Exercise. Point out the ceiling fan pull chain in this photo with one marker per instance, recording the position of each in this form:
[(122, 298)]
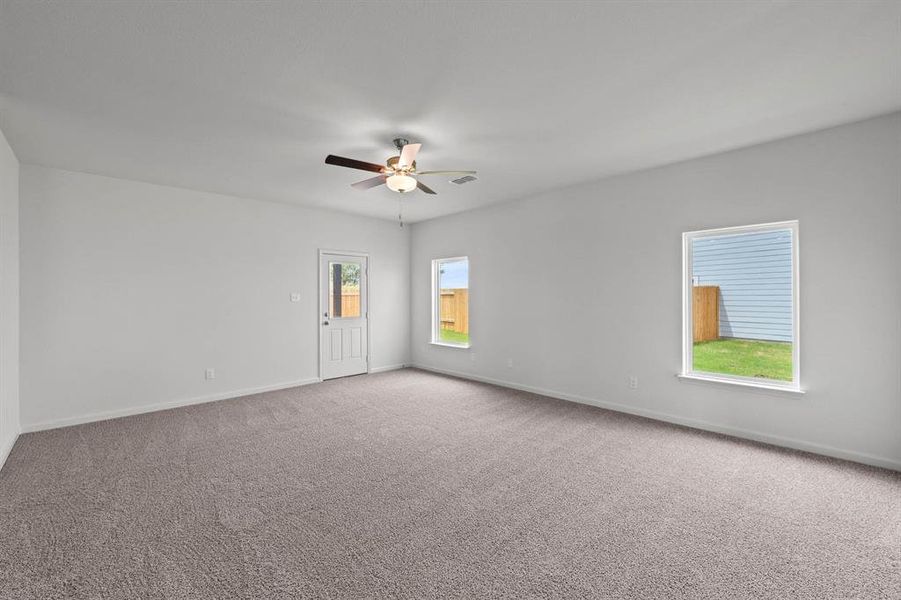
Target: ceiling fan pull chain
[(400, 213)]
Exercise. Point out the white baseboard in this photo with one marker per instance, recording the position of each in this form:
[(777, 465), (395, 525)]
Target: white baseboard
[(860, 457), (7, 448), (125, 412), (386, 368)]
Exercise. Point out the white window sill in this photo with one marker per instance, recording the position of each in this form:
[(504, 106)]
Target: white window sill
[(748, 383), (448, 345)]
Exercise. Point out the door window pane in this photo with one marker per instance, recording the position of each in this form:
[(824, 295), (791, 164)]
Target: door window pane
[(453, 301), (344, 290)]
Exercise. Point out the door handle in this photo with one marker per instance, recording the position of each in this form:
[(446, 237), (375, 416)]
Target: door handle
[(325, 322)]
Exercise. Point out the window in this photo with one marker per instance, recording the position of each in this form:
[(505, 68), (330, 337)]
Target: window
[(740, 305), (450, 301), (344, 290)]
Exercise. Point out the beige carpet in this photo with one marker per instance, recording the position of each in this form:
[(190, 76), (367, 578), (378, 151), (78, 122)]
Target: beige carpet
[(413, 485)]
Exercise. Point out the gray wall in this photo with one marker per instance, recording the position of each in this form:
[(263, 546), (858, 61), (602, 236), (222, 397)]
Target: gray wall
[(130, 291), (620, 238), (9, 298), (754, 274)]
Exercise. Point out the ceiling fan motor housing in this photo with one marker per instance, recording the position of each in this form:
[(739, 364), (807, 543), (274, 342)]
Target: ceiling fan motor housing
[(392, 164)]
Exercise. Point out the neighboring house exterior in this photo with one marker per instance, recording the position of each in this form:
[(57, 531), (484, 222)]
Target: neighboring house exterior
[(754, 274)]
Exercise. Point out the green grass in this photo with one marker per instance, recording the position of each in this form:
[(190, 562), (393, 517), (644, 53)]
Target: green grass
[(748, 358), (453, 337)]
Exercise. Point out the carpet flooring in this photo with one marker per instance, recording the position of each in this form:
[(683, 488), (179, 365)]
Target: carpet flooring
[(414, 485)]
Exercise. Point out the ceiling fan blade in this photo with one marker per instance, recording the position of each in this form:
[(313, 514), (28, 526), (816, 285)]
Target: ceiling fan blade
[(340, 161), (408, 155), (425, 188), (445, 172), (370, 183)]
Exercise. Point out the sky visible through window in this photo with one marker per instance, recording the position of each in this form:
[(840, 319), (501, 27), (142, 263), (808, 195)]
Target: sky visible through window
[(455, 275)]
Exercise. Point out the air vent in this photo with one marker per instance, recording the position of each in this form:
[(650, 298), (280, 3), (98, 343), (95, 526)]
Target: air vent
[(464, 179)]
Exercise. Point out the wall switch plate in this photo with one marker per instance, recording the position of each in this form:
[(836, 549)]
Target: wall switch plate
[(210, 373), (633, 382), (295, 297)]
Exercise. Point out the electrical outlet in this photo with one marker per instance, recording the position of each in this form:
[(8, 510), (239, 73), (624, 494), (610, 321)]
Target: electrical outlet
[(509, 363), (472, 356), (633, 382), (295, 297), (210, 373)]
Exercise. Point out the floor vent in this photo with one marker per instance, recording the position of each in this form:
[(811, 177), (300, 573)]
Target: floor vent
[(464, 179)]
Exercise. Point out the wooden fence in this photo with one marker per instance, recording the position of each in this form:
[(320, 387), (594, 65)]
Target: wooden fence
[(350, 303), (705, 312), (454, 310)]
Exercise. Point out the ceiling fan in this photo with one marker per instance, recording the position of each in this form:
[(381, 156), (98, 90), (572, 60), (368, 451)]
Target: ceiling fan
[(399, 173)]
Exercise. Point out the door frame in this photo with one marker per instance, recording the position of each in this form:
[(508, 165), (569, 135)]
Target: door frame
[(326, 251)]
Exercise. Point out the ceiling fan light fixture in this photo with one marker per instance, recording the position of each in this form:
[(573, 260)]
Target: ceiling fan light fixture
[(401, 183)]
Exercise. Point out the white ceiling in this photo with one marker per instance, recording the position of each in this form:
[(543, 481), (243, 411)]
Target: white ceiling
[(248, 98)]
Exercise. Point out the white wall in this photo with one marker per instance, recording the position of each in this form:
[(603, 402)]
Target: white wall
[(9, 299), (131, 290), (581, 288)]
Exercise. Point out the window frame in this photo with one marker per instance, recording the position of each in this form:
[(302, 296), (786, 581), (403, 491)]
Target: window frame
[(688, 371), (436, 302)]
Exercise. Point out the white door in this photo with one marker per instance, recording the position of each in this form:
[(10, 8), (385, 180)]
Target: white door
[(343, 287)]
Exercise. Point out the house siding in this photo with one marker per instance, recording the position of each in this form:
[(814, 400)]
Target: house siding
[(754, 274)]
